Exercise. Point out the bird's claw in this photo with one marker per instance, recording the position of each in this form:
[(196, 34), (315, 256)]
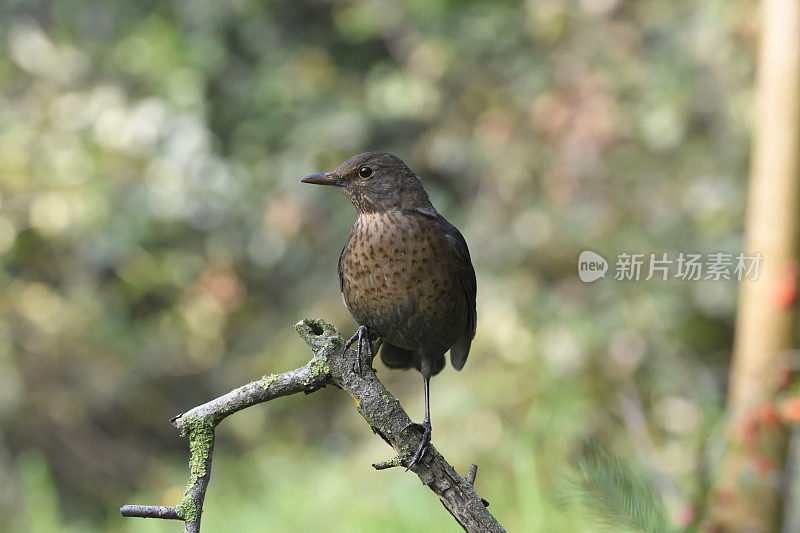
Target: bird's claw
[(361, 335), (425, 426)]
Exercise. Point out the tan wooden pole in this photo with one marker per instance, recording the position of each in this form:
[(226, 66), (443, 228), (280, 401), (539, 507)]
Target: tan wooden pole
[(748, 498)]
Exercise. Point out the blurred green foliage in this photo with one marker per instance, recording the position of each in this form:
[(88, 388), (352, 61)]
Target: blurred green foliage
[(156, 247), (618, 497)]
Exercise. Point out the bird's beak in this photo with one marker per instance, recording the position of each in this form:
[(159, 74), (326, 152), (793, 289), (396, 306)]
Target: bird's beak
[(322, 178)]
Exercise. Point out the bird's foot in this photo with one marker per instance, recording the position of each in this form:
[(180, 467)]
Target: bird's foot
[(425, 426), (361, 335)]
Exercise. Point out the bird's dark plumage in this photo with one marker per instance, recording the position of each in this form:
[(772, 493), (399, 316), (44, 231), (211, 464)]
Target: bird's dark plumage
[(405, 272)]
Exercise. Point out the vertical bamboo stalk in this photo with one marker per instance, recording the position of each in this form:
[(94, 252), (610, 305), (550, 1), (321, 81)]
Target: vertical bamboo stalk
[(748, 498)]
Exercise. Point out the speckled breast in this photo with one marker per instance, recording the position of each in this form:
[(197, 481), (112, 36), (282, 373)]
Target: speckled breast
[(399, 279)]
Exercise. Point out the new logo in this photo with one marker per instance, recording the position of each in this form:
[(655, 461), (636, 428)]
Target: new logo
[(591, 266)]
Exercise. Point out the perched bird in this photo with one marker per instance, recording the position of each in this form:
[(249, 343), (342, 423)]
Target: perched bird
[(405, 272)]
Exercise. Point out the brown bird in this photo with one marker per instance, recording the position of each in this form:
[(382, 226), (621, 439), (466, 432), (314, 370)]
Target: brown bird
[(405, 272)]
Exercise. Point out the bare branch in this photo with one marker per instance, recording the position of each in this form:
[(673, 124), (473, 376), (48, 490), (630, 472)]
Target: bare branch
[(150, 511), (473, 472), (376, 405)]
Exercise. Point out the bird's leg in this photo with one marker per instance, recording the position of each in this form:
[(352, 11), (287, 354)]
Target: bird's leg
[(425, 426), (361, 335)]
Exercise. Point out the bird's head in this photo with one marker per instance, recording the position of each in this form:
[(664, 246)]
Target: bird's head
[(375, 182)]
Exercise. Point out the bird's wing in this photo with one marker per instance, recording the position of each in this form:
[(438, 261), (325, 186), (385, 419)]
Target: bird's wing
[(339, 270), (341, 280), (466, 275)]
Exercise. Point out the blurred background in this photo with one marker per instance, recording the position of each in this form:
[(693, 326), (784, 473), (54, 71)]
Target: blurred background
[(156, 247)]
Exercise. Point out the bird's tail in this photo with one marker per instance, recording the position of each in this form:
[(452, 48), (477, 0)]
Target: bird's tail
[(396, 357)]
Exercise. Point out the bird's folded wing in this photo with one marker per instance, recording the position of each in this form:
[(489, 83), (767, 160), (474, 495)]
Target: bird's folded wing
[(465, 275)]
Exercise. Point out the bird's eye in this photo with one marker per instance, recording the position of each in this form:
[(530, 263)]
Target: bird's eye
[(365, 172)]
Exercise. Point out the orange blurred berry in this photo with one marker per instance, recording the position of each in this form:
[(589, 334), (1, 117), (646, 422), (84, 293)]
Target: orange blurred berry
[(790, 410), (767, 415), (762, 464), (785, 294)]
